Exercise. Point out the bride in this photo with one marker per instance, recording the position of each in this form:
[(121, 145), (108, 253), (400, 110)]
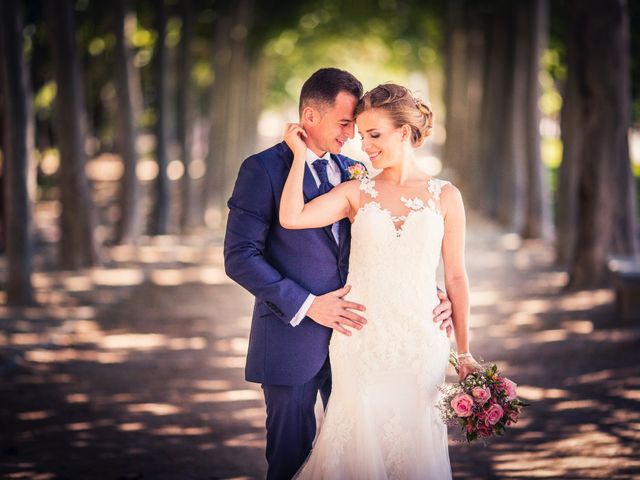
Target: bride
[(382, 421)]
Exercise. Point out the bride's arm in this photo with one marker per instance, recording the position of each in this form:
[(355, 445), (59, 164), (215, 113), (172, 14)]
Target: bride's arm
[(455, 272), (321, 211)]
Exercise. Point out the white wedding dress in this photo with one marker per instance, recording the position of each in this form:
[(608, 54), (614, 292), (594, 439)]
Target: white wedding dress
[(381, 421)]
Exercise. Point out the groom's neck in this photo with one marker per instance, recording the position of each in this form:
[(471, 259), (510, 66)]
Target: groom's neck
[(316, 151)]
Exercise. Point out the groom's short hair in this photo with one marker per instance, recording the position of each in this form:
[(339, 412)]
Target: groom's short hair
[(323, 87)]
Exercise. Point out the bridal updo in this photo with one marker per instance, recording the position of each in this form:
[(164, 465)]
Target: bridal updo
[(402, 107)]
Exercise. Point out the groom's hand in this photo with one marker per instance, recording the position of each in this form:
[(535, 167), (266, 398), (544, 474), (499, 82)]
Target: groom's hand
[(442, 313), (332, 311)]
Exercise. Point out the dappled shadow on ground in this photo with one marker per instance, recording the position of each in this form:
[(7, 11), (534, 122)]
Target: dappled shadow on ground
[(576, 363), (122, 379), (125, 375)]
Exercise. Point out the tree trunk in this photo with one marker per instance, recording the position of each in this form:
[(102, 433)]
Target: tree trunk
[(77, 244), (455, 152), (605, 190), (161, 205), (494, 111), (513, 186), (472, 173), (234, 107), (18, 120), (184, 124), (130, 225), (213, 185), (571, 133), (537, 222)]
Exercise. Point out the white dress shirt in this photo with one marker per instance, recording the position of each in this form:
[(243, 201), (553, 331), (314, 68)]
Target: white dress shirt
[(335, 177)]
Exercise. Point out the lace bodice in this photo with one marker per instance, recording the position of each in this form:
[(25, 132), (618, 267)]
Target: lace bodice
[(395, 252)]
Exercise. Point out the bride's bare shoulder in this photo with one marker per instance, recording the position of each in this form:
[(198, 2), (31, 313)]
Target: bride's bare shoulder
[(450, 198)]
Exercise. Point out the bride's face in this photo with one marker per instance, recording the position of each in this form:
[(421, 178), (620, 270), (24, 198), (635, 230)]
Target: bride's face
[(381, 139)]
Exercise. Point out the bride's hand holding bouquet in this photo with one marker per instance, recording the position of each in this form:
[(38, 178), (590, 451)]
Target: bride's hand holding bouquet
[(483, 403)]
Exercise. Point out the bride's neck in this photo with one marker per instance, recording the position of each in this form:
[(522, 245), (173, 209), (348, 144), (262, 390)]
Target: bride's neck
[(403, 171)]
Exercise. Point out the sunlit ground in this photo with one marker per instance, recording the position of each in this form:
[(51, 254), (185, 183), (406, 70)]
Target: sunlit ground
[(135, 370)]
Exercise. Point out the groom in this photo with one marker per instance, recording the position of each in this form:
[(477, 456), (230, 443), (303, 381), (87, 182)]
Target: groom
[(297, 276)]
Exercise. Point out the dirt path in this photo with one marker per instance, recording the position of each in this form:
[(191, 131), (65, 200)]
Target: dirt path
[(136, 372)]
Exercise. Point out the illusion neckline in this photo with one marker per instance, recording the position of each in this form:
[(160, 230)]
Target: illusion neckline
[(389, 216)]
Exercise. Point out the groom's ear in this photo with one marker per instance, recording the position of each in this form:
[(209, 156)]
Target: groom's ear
[(309, 115)]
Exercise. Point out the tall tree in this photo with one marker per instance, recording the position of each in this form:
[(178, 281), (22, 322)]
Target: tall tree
[(537, 222), (604, 202), (160, 225), (184, 123), (494, 109), (77, 245), (234, 105), (129, 94), (512, 181), (18, 149)]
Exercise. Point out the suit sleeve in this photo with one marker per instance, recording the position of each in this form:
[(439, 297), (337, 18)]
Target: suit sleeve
[(251, 212)]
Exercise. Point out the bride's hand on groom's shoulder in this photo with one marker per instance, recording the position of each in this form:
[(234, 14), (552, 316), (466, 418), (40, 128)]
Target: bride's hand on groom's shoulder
[(294, 136)]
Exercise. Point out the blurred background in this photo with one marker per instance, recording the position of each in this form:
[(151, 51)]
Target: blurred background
[(123, 127)]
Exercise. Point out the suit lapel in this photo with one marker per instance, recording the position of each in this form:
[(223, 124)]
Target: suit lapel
[(344, 173)]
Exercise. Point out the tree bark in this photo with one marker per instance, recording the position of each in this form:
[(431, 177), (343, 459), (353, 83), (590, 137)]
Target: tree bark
[(77, 245), (605, 192), (160, 224), (130, 225), (494, 111), (213, 194), (455, 151), (184, 124), (472, 188), (513, 187), (18, 143), (233, 116)]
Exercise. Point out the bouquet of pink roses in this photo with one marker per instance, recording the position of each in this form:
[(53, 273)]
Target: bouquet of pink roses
[(483, 404)]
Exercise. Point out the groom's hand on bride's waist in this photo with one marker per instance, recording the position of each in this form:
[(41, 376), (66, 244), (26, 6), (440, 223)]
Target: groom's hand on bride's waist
[(332, 311), (442, 313)]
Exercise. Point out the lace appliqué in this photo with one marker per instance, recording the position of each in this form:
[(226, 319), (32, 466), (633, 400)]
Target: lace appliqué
[(413, 203), (339, 434), (395, 438), (368, 186), (435, 188)]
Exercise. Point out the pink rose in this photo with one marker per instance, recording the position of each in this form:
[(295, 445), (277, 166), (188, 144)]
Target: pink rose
[(510, 388), (462, 404), (493, 415), (481, 394)]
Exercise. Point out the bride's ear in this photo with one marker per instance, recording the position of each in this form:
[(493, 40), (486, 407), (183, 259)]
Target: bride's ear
[(405, 133)]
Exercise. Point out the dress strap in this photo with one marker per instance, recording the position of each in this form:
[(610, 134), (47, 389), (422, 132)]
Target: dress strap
[(435, 187), (368, 186)]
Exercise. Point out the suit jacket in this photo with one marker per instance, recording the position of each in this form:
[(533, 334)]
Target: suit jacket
[(281, 267)]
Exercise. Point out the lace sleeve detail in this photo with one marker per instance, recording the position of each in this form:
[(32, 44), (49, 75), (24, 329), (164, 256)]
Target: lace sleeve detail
[(368, 186), (435, 187)]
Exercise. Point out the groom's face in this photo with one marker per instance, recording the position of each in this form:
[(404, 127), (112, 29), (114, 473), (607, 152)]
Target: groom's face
[(334, 125)]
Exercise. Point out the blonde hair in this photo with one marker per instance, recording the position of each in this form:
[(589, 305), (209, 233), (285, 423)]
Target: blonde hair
[(402, 107)]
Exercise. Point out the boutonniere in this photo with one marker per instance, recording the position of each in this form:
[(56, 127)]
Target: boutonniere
[(357, 171)]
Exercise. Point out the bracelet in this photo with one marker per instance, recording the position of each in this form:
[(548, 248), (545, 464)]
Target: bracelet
[(465, 355)]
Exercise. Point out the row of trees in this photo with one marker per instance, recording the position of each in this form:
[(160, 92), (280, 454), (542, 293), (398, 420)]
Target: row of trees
[(493, 134), (211, 66)]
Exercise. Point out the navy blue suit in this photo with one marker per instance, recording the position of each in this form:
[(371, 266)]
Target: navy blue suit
[(280, 268)]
